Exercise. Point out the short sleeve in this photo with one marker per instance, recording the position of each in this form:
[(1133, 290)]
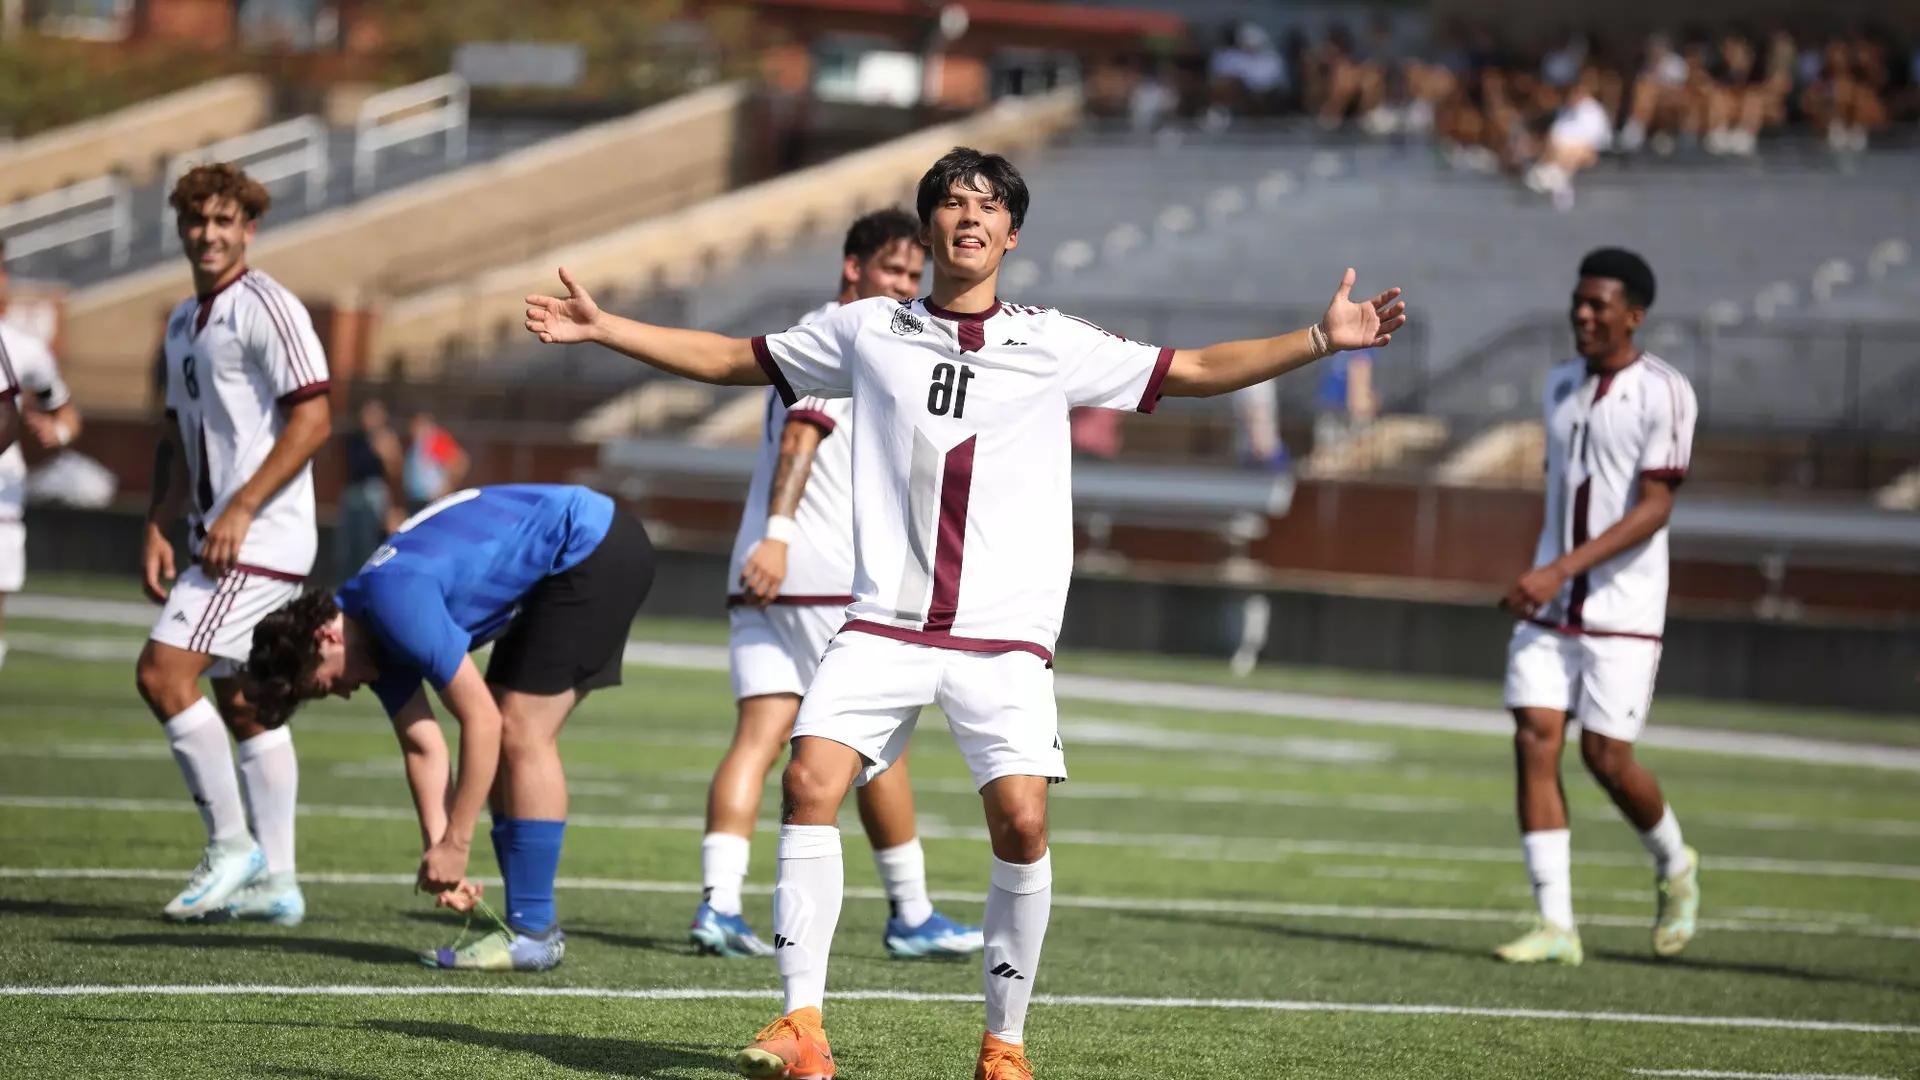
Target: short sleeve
[(408, 617), (9, 380), (1103, 370), (1671, 410), (281, 341), (815, 358), (814, 411), (395, 689), (38, 375)]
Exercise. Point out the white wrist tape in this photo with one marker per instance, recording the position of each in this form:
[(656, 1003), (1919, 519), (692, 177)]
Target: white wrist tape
[(782, 528), (62, 434), (1317, 337)]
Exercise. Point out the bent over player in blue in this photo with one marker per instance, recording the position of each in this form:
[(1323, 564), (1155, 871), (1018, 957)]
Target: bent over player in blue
[(553, 576)]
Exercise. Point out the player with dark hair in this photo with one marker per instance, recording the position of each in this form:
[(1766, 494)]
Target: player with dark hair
[(554, 573), (793, 563), (1619, 432), (246, 398), (963, 549)]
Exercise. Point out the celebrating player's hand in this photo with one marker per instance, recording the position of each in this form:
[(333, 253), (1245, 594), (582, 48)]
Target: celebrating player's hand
[(1535, 589), (221, 550), (1362, 324), (764, 572), (442, 868), (156, 565), (555, 320)]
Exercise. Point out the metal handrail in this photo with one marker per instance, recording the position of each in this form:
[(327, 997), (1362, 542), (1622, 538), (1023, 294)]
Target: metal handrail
[(61, 217), (400, 115), (294, 148)]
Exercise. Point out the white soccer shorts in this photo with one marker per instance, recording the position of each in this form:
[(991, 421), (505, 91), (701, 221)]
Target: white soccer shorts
[(217, 617), (13, 556), (869, 691), (777, 649), (1605, 682)]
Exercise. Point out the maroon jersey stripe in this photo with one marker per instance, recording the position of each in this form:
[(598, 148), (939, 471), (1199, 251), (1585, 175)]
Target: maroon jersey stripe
[(1582, 583), (950, 546)]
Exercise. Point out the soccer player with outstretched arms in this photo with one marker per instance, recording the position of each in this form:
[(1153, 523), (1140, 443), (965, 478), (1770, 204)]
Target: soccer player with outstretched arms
[(963, 549)]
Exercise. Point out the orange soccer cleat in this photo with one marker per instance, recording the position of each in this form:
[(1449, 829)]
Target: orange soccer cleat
[(793, 1047), (1001, 1061)]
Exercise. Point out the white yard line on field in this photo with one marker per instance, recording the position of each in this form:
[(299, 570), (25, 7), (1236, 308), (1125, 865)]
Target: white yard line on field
[(1183, 846), (1762, 1023), (1197, 696), (1141, 905), (1716, 1074), (1103, 688)]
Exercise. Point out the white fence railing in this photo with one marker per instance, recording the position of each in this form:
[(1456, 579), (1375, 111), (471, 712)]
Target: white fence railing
[(296, 148), (93, 208), (404, 114)]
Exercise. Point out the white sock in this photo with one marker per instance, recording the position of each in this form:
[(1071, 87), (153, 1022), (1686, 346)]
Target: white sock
[(723, 870), (1664, 843), (806, 909), (198, 738), (3, 653), (1017, 908), (271, 775), (1550, 864), (903, 870)]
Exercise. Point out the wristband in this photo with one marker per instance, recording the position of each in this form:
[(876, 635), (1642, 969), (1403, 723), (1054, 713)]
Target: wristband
[(1317, 340), (782, 528), (62, 434)]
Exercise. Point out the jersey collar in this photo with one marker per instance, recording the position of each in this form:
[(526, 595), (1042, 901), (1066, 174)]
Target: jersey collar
[(939, 312)]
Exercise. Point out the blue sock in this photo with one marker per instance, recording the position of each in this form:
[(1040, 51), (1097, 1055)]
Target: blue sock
[(502, 833), (532, 862)]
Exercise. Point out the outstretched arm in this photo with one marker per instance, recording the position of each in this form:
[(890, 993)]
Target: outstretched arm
[(692, 354), (1230, 365), (766, 565)]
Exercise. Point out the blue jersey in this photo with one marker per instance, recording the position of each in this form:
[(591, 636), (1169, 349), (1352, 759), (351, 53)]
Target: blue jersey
[(454, 574)]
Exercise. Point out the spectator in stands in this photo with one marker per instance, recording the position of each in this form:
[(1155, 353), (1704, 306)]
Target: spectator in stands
[(1579, 134), (1246, 75), (370, 506), (1256, 412), (436, 464)]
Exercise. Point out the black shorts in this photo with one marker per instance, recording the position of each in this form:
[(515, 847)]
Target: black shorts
[(572, 627)]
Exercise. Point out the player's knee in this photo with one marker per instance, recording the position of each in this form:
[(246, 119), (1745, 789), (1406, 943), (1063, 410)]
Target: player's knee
[(161, 688), (808, 790), (1019, 833), (1537, 743), (1607, 759)]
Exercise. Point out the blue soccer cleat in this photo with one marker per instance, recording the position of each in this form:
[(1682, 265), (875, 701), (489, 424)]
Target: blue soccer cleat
[(270, 898), (938, 936), (725, 935), (225, 868)]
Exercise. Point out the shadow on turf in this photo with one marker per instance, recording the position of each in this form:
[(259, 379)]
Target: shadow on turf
[(362, 951), (1724, 967), (55, 909), (676, 946), (1734, 967), (608, 1057)]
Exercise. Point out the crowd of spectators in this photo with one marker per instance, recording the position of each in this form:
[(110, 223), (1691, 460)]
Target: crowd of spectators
[(1556, 103)]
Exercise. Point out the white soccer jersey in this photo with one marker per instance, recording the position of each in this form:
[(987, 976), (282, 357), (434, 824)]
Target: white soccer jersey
[(27, 367), (235, 361), (962, 470), (820, 558), (1605, 432)]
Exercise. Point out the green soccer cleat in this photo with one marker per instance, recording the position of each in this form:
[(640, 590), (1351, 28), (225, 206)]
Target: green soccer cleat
[(1674, 921), (1544, 944), (501, 951)]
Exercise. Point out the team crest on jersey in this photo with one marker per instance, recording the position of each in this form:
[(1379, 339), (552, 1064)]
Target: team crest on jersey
[(1560, 392), (905, 323)]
